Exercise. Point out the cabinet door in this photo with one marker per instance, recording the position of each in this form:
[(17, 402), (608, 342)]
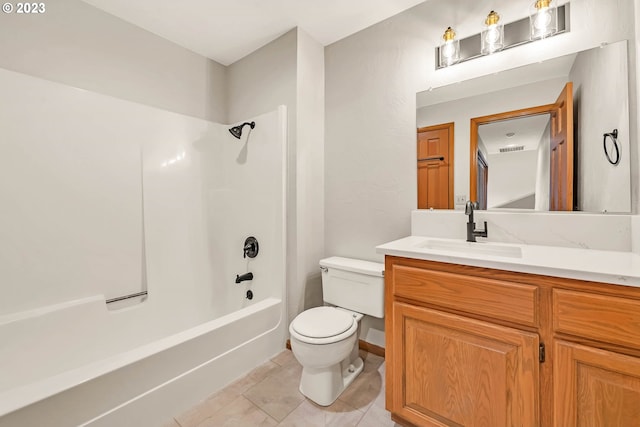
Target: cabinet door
[(594, 387), (449, 370)]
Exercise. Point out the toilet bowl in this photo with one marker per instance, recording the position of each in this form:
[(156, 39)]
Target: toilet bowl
[(325, 339), (325, 342)]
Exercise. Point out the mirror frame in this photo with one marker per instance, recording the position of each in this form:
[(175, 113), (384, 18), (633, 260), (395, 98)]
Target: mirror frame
[(473, 140)]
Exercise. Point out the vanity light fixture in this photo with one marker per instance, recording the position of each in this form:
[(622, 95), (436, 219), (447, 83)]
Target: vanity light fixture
[(543, 18), (492, 37), (450, 49)]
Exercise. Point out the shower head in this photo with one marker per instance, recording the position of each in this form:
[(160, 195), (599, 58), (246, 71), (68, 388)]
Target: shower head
[(237, 130)]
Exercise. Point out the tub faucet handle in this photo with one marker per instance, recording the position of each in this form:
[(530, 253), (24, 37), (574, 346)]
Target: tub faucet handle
[(250, 248)]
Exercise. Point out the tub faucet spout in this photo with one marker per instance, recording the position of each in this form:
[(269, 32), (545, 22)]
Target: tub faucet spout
[(246, 276)]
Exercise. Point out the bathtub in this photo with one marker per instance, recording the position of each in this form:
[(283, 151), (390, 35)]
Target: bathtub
[(161, 203), (142, 386)]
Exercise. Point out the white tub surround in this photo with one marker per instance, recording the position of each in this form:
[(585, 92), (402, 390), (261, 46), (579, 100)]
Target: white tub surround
[(103, 198), (616, 267)]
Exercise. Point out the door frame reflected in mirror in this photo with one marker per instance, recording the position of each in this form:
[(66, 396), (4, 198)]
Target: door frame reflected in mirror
[(476, 122)]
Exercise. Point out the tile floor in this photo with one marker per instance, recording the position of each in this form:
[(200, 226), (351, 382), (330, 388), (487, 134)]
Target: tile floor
[(269, 396)]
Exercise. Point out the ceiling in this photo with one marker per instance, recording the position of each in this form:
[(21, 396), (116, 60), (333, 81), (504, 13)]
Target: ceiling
[(527, 131), (227, 30)]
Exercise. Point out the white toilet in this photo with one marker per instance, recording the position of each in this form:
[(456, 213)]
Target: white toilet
[(325, 339)]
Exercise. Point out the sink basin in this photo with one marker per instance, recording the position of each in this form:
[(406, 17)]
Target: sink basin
[(471, 248)]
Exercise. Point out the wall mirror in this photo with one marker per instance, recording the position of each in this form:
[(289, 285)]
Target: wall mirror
[(491, 138)]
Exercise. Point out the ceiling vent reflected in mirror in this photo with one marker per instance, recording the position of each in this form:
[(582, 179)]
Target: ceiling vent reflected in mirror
[(509, 149)]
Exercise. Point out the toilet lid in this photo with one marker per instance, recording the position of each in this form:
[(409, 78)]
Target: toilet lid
[(322, 322)]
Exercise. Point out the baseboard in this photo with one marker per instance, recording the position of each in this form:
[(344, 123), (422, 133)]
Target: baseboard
[(371, 348), (363, 345)]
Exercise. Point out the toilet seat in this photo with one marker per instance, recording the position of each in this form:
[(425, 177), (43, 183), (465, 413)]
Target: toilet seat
[(323, 325)]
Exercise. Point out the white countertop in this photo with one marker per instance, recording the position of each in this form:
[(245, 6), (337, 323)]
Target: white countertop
[(620, 268)]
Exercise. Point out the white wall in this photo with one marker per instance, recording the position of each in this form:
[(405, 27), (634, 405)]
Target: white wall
[(543, 177), (600, 79), (506, 186), (81, 46)]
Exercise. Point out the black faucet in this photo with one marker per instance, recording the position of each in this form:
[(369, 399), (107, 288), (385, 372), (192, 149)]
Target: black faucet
[(472, 233), (246, 276)]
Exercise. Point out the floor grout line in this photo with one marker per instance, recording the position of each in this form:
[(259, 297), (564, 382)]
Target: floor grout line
[(287, 366)]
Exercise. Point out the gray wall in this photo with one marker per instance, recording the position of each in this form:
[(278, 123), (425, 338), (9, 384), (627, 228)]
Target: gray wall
[(306, 285), (78, 45), (264, 79), (290, 71), (259, 82)]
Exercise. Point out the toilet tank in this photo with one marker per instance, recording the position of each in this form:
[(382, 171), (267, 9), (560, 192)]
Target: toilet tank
[(354, 284)]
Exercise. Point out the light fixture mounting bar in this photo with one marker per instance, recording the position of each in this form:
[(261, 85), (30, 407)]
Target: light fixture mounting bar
[(515, 34)]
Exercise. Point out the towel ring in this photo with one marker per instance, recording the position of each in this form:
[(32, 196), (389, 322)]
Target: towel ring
[(614, 138)]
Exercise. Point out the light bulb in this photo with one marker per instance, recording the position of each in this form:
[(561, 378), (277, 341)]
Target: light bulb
[(492, 35), (544, 20), (492, 38), (450, 49)]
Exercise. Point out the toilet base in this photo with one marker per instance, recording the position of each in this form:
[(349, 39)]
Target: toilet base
[(323, 386)]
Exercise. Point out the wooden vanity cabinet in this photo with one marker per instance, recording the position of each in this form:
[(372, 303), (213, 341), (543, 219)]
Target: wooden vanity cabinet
[(469, 346), (597, 357), (462, 371)]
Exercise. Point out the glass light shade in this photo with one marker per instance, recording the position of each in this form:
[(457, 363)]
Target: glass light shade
[(450, 49), (543, 18), (492, 37)]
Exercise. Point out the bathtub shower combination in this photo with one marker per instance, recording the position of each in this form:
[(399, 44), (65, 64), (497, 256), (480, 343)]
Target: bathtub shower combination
[(123, 231)]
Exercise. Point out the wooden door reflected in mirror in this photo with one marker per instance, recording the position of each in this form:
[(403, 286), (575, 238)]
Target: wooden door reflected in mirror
[(435, 167)]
